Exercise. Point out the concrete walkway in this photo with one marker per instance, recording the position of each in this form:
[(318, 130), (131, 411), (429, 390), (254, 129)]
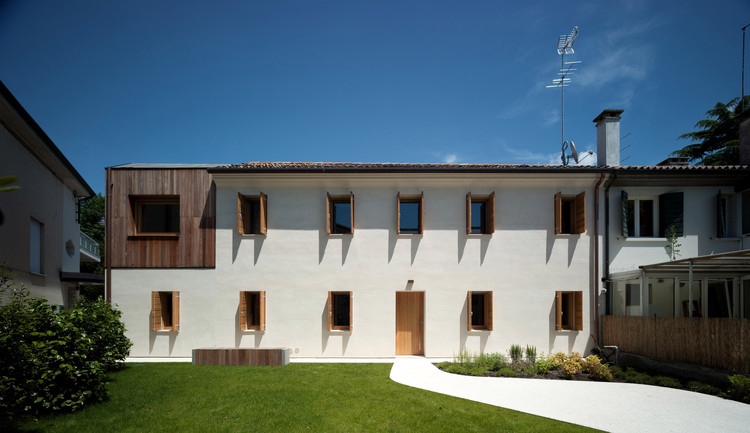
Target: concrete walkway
[(614, 407)]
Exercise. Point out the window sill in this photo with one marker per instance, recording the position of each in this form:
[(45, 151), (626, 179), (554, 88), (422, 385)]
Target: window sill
[(252, 331), (644, 239), (155, 236), (479, 330), (339, 331), (409, 235), (727, 239), (479, 234), (253, 235), (340, 234), (166, 331)]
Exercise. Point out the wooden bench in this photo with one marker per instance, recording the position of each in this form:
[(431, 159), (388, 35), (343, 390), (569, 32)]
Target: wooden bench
[(240, 356)]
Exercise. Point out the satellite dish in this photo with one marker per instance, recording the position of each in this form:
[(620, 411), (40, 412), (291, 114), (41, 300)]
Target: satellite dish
[(575, 151)]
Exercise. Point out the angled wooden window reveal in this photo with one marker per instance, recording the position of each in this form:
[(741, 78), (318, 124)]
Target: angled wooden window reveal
[(165, 311), (480, 214), (479, 311), (252, 315), (409, 214), (339, 311), (156, 215), (340, 214), (570, 214), (252, 214), (569, 311)]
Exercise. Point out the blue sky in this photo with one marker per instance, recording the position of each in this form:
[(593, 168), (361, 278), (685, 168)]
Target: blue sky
[(378, 81)]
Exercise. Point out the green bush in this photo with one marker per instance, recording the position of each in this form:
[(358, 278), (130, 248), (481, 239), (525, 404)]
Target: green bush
[(740, 388), (506, 372), (667, 381), (703, 388), (516, 353), (543, 366), (601, 373), (50, 361), (491, 361)]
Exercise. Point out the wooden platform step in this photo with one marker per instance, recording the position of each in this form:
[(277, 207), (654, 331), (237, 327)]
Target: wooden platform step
[(240, 356)]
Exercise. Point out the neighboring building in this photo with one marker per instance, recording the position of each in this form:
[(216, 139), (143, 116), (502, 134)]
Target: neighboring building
[(40, 235)]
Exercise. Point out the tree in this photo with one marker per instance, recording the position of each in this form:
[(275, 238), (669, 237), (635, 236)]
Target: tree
[(718, 142), (92, 212)]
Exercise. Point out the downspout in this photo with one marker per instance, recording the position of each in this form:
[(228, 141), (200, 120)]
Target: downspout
[(595, 289), (608, 185), (108, 235)]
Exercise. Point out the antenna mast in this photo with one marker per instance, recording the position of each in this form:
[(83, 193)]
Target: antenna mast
[(565, 46)]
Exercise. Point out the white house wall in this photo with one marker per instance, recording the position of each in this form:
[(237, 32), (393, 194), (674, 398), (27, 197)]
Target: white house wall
[(523, 263)]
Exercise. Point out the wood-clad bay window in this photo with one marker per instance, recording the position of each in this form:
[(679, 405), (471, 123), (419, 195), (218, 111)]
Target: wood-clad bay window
[(569, 311), (409, 214), (156, 215), (252, 214), (479, 310), (165, 311), (340, 214), (339, 311), (570, 214), (252, 311), (480, 214)]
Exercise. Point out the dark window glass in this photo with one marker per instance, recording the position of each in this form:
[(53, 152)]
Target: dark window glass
[(632, 295), (478, 217), (253, 308), (166, 308), (564, 317), (159, 218), (646, 214), (567, 213), (252, 223), (341, 308), (409, 217), (342, 217), (477, 309), (631, 217)]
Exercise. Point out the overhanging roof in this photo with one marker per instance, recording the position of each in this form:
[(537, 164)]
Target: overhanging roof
[(736, 262)]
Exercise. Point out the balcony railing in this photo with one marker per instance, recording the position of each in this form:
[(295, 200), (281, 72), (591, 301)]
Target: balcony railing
[(89, 249)]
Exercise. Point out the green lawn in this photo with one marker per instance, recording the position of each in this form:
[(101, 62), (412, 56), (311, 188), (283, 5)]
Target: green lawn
[(298, 397)]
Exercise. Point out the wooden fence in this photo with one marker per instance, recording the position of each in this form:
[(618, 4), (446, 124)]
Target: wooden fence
[(719, 343)]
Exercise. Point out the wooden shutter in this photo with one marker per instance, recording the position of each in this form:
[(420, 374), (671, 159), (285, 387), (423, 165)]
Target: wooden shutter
[(328, 213), (721, 229), (488, 310), (624, 213), (581, 213), (558, 213), (468, 310), (263, 213), (671, 213), (330, 311), (155, 311), (398, 213), (351, 209), (579, 310), (175, 311), (468, 213), (421, 213), (262, 311), (490, 210), (243, 312), (351, 309), (240, 213), (558, 310)]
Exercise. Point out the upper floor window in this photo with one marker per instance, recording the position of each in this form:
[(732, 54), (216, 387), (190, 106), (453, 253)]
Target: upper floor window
[(480, 214), (726, 215), (650, 217), (252, 214), (157, 215), (570, 214), (410, 214), (640, 216), (340, 214)]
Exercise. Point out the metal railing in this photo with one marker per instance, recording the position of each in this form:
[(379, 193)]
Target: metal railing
[(89, 245)]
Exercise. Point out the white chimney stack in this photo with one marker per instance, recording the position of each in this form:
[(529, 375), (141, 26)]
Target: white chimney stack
[(608, 138)]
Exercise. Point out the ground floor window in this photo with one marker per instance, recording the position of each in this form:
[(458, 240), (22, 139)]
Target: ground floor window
[(569, 310), (165, 311), (479, 308), (339, 311), (252, 314)]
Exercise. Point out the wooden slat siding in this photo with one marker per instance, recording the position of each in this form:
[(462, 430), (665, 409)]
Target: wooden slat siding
[(175, 311), (558, 213), (713, 342), (468, 310), (242, 316), (468, 213), (579, 311), (351, 210), (330, 311), (196, 244), (488, 310), (262, 313), (155, 311), (558, 311), (580, 213), (328, 214), (238, 356), (263, 214)]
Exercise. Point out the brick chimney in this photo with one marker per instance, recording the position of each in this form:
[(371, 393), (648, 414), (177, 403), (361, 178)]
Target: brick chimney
[(745, 139), (608, 138)]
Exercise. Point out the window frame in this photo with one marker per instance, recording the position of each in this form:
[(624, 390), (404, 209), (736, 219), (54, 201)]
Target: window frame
[(331, 311), (138, 202), (36, 247), (636, 221), (575, 309), (245, 317), (158, 312), (420, 213), (244, 226), (489, 213), (487, 311), (331, 200), (577, 214)]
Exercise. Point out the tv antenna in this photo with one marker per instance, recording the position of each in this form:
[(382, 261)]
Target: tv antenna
[(565, 46)]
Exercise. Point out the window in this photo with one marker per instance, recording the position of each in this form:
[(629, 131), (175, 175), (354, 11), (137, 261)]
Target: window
[(36, 247), (409, 215), (479, 310), (671, 213), (638, 217), (252, 214), (340, 214), (480, 214), (570, 214), (165, 311), (569, 311), (157, 215), (252, 311), (339, 311), (726, 215)]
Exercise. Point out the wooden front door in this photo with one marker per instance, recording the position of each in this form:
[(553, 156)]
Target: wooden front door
[(409, 323)]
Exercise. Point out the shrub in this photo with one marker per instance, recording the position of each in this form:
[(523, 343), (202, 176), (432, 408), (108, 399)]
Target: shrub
[(492, 361), (558, 359), (101, 323), (740, 388), (531, 353), (601, 373), (591, 363), (529, 370), (506, 372), (543, 366), (703, 388), (571, 367), (667, 381), (516, 353)]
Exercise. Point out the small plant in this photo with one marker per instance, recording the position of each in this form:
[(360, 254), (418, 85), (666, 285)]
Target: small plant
[(492, 361), (558, 359), (506, 372), (531, 353), (516, 353), (601, 373), (529, 370), (591, 363), (673, 246), (703, 388), (740, 388), (543, 366), (571, 367), (667, 381)]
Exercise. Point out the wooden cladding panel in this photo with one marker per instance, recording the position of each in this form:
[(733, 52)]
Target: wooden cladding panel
[(196, 243), (240, 356)]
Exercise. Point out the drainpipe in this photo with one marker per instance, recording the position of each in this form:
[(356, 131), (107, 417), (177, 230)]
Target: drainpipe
[(597, 329), (108, 235), (607, 185), (690, 289)]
